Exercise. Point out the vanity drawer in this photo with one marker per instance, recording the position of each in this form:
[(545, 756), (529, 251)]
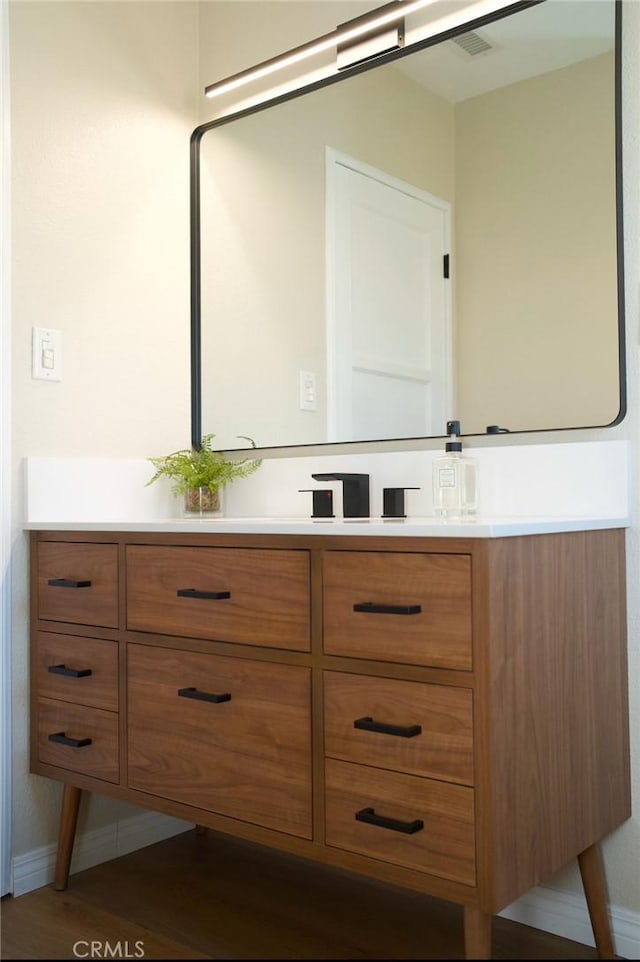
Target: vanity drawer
[(246, 595), (78, 583), (400, 725), (227, 735), (400, 607), (418, 823), (76, 669), (86, 739)]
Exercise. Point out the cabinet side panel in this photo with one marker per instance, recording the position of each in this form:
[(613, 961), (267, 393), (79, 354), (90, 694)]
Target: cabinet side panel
[(555, 689), (33, 617)]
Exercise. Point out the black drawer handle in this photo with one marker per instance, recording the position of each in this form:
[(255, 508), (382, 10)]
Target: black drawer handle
[(203, 695), (369, 816), (69, 672), (369, 608), (367, 724), (62, 739), (67, 583), (196, 593)]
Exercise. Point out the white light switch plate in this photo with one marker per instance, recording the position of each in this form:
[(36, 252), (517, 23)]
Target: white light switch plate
[(307, 386), (46, 354)]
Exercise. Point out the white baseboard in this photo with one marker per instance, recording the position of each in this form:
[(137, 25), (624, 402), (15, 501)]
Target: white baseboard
[(552, 910), (35, 869), (565, 914)]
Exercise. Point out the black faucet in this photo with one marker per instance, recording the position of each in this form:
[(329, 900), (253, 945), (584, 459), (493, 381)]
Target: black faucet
[(355, 492)]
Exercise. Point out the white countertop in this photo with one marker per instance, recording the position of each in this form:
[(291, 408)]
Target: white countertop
[(482, 527), (524, 489)]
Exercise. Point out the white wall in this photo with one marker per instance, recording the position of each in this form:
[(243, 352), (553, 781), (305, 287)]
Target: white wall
[(5, 461), (104, 100), (235, 34)]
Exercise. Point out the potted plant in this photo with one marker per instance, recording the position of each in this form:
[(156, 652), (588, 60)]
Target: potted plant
[(200, 474)]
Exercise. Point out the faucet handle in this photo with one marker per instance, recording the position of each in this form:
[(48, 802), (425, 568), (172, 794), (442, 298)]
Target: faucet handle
[(393, 502), (322, 502)]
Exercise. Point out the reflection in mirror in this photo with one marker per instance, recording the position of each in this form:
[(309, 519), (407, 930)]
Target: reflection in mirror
[(433, 238)]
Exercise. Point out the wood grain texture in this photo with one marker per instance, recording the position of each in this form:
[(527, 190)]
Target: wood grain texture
[(249, 757), (99, 689), (68, 821), (364, 866), (552, 703), (218, 897), (444, 747), (526, 633), (62, 925), (445, 847), (477, 933), (269, 603), (99, 759), (93, 605), (595, 890), (440, 635)]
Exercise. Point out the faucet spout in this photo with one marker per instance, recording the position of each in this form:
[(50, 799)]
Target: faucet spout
[(355, 492)]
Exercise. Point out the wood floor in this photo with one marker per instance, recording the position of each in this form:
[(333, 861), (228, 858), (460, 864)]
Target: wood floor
[(213, 897)]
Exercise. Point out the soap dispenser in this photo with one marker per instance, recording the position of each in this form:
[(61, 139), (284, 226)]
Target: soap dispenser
[(455, 479)]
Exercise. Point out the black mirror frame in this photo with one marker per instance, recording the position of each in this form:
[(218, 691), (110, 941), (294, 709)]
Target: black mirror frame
[(195, 222)]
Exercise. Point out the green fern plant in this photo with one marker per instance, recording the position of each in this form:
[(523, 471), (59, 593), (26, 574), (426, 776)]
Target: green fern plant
[(189, 468)]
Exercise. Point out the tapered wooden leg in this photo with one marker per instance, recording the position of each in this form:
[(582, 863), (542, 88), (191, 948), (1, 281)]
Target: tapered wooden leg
[(595, 890), (477, 933), (201, 829), (68, 821)]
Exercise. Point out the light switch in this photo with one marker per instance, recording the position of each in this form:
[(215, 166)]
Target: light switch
[(46, 354), (308, 393)]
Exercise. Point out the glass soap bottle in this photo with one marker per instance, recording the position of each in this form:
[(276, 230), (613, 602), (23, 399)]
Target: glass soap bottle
[(455, 479)]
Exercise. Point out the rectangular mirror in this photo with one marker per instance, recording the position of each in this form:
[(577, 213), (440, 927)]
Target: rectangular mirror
[(435, 237)]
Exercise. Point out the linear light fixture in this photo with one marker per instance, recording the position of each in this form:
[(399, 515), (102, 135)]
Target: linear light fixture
[(344, 35), (379, 38)]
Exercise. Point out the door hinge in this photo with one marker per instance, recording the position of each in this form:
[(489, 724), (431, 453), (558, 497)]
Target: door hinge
[(445, 266)]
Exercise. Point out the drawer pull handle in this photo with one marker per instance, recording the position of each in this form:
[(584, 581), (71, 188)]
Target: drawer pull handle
[(367, 724), (203, 695), (369, 608), (67, 583), (369, 816), (62, 739), (196, 593), (69, 672)]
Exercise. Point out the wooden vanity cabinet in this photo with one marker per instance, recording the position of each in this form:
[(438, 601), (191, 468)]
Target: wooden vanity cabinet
[(448, 715)]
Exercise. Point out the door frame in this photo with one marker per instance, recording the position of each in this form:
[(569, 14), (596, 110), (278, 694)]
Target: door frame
[(6, 460), (334, 159)]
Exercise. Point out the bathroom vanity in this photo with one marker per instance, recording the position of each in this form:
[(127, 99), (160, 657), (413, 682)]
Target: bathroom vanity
[(438, 711)]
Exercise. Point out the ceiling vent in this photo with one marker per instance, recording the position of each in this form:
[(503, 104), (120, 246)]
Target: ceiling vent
[(472, 43)]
